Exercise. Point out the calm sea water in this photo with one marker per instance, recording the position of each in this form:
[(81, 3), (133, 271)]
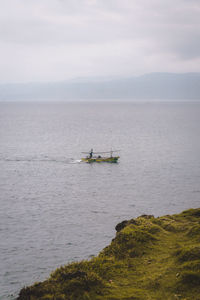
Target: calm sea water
[(55, 210)]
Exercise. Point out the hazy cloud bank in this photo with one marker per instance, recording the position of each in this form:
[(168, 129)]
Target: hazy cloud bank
[(59, 39)]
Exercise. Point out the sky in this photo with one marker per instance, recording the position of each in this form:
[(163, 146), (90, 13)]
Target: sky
[(53, 40)]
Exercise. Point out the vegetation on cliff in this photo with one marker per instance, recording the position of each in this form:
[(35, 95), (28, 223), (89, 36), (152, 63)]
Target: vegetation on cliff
[(150, 258)]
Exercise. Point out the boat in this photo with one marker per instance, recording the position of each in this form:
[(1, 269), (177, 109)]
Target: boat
[(100, 157)]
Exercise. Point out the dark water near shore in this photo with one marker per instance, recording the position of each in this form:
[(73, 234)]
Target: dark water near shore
[(55, 209)]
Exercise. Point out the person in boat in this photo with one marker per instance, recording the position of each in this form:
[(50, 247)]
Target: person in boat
[(91, 153)]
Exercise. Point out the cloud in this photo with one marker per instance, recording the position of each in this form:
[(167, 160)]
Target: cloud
[(60, 39)]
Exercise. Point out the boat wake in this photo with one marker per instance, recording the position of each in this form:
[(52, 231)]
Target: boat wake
[(41, 159), (76, 161)]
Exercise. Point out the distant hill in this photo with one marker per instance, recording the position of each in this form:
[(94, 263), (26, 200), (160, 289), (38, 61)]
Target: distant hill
[(148, 86)]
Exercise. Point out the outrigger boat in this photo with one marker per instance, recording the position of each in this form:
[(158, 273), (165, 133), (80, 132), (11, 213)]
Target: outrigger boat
[(96, 157)]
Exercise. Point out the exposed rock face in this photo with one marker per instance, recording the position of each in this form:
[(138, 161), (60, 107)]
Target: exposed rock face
[(121, 225), (150, 258)]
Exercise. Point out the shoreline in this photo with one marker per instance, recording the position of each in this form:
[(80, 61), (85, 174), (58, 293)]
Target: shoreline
[(149, 258)]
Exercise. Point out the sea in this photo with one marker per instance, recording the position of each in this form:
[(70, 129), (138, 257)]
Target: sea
[(55, 209)]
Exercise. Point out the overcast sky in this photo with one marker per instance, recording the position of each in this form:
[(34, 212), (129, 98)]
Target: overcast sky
[(51, 40)]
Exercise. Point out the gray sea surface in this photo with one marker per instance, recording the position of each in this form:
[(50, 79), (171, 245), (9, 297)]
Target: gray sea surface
[(55, 209)]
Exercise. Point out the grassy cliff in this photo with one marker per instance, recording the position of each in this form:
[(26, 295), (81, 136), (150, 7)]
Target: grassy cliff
[(150, 258)]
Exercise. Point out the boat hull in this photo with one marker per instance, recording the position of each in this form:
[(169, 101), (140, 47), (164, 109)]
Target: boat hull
[(101, 159)]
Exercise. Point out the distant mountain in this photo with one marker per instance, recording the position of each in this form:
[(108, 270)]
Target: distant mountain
[(149, 86)]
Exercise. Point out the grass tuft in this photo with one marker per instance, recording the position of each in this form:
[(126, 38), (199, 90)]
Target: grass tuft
[(189, 278), (194, 231), (188, 253)]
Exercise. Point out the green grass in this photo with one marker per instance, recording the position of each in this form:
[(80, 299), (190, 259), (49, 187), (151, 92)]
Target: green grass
[(150, 258)]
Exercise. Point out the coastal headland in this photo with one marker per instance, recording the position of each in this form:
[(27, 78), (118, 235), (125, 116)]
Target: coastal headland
[(150, 258)]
